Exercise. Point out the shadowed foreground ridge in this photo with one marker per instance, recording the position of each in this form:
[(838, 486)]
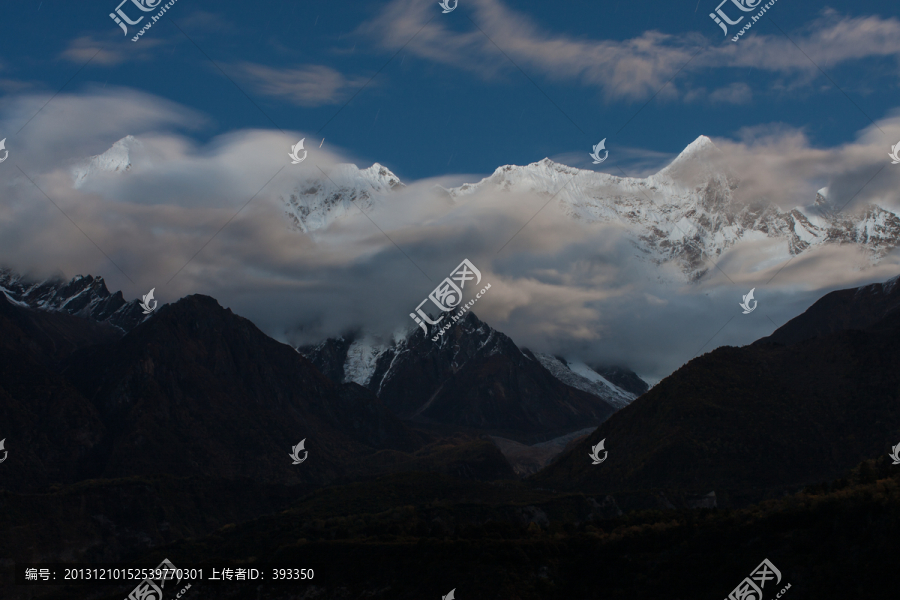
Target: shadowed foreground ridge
[(753, 421), (197, 390), (856, 308)]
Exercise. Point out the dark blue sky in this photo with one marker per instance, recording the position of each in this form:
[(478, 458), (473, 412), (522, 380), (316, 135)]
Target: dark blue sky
[(538, 79)]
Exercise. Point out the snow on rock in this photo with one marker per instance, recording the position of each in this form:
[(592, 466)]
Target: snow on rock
[(361, 359), (371, 361), (81, 296), (317, 201), (580, 376), (118, 159), (685, 214), (687, 211)]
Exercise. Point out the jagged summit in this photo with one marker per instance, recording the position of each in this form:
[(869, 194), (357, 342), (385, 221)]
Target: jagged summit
[(82, 296), (699, 146), (518, 178)]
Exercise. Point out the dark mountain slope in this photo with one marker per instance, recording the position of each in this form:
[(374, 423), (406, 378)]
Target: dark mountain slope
[(743, 420), (97, 423), (511, 393), (855, 308), (49, 337), (48, 425), (329, 357), (197, 390)]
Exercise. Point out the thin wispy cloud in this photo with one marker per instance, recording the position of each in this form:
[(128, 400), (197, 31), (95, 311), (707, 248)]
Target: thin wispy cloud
[(107, 53), (306, 85), (631, 69), (85, 48)]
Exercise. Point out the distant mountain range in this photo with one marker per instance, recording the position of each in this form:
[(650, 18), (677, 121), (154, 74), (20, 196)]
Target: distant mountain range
[(825, 376), (477, 377), (684, 213), (688, 211), (191, 356), (417, 379)]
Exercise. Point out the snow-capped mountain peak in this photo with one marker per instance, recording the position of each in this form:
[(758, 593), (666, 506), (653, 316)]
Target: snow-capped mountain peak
[(685, 213), (379, 364), (688, 212), (699, 148), (118, 159), (698, 163), (316, 201)]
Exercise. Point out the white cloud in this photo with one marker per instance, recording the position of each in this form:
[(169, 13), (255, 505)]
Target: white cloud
[(561, 285)]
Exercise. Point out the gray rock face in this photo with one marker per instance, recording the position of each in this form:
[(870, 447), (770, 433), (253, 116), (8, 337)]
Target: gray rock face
[(474, 376)]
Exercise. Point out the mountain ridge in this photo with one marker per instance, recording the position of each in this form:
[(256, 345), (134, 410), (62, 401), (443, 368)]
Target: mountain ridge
[(342, 360), (431, 381), (854, 308), (83, 296), (789, 414), (686, 212)]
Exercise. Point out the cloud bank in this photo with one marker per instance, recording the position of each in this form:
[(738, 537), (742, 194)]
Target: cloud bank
[(188, 218)]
